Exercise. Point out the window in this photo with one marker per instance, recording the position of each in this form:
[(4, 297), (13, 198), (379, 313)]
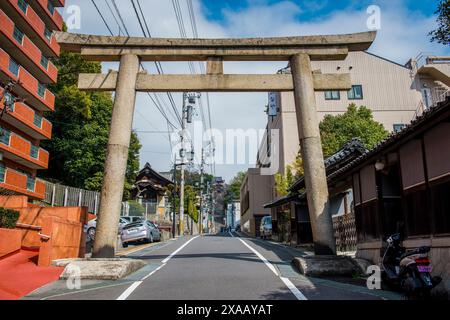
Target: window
[(23, 5), (44, 62), (14, 67), (50, 7), (399, 127), (41, 90), (18, 35), (31, 183), (355, 93), (9, 102), (332, 95), (37, 120), (5, 136), (2, 172), (48, 33), (34, 152)]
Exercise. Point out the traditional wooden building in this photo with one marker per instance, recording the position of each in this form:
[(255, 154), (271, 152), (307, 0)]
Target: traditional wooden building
[(290, 216), (150, 190), (403, 185)]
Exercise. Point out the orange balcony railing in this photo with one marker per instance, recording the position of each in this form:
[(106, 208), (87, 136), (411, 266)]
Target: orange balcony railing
[(25, 51), (28, 87), (21, 150), (58, 3), (21, 183), (27, 120), (26, 18), (46, 10)]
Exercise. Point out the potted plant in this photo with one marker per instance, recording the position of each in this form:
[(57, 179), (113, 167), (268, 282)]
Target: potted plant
[(10, 238)]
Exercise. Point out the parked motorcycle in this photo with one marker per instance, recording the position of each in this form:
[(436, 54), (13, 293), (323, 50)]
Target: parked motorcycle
[(409, 271)]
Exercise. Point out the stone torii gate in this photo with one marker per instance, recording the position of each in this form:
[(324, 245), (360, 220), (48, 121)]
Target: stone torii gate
[(130, 51)]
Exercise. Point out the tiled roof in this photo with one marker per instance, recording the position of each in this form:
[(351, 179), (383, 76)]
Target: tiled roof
[(349, 151)]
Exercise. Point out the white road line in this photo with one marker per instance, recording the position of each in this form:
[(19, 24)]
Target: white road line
[(286, 281), (136, 284), (129, 290), (259, 255), (178, 250), (293, 289)]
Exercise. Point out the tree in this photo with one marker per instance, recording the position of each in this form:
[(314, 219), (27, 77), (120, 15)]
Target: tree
[(335, 132), (80, 130), (357, 122), (442, 33), (233, 189)]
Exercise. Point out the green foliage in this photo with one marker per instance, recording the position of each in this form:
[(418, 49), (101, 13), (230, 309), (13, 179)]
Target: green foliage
[(233, 189), (284, 182), (136, 209), (80, 130), (8, 218), (442, 33), (357, 122), (336, 131), (190, 202)]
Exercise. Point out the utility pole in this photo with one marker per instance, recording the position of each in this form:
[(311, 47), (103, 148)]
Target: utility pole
[(174, 200), (200, 218), (183, 153)]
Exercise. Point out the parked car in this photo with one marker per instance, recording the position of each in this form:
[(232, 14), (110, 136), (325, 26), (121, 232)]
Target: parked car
[(265, 229), (133, 219), (92, 226), (142, 231)]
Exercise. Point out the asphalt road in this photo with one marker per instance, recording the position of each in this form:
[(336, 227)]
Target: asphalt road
[(213, 267)]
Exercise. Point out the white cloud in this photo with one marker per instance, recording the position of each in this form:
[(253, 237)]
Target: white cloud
[(403, 35)]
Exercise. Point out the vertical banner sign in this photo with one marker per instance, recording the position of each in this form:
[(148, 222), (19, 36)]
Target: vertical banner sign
[(273, 105)]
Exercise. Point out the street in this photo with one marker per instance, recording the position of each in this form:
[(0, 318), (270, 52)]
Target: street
[(213, 267)]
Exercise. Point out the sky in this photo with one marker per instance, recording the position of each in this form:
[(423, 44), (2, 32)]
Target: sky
[(404, 25)]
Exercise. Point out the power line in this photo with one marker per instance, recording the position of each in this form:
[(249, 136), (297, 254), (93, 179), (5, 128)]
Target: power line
[(120, 16), (101, 15), (114, 16), (157, 63), (158, 106)]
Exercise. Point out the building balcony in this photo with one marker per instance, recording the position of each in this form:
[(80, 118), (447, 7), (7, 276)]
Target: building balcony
[(58, 3), (20, 150), (16, 182), (28, 87), (27, 20), (27, 120), (46, 10), (25, 52)]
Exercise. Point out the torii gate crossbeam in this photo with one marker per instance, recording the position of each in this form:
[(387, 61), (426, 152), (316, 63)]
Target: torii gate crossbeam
[(304, 81)]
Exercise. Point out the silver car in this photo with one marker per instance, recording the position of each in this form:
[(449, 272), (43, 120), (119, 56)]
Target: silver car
[(265, 229), (92, 226), (142, 231)]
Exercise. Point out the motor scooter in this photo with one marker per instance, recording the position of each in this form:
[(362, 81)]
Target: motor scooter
[(409, 271)]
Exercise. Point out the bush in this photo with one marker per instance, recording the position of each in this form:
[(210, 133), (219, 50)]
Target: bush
[(8, 218)]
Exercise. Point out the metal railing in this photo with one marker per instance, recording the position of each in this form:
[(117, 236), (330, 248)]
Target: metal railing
[(58, 195)]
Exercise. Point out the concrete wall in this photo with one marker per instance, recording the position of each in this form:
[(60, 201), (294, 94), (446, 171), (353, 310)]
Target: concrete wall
[(57, 232), (260, 188)]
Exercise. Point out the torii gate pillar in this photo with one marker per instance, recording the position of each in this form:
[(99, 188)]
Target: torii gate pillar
[(116, 157), (312, 155)]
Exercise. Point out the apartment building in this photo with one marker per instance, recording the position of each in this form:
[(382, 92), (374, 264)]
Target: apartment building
[(27, 46), (395, 93)]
